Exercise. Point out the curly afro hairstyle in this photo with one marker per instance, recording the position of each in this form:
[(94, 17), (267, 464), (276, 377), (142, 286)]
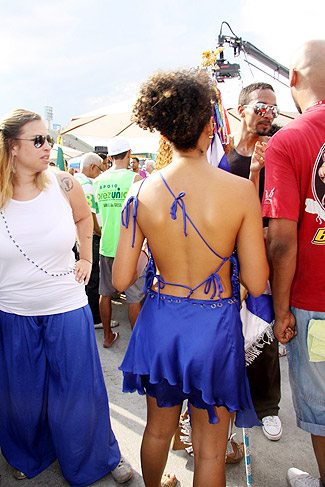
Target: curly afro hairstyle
[(176, 103)]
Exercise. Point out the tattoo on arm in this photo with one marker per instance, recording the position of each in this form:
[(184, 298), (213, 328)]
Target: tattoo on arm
[(67, 183)]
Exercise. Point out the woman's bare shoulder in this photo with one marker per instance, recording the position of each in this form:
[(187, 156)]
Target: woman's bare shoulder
[(143, 185), (231, 181)]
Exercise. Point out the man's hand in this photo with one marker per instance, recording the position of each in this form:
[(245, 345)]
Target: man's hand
[(284, 328), (258, 161)]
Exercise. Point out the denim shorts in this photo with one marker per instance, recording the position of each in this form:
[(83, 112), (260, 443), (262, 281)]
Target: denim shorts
[(307, 378)]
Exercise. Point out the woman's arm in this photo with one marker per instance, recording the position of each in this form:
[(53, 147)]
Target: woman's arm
[(254, 269), (129, 261), (84, 224)]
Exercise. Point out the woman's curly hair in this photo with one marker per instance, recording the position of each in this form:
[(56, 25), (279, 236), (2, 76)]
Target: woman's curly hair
[(177, 104)]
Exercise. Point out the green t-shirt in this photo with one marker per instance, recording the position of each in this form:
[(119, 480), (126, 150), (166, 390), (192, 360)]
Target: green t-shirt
[(111, 189), (88, 189)]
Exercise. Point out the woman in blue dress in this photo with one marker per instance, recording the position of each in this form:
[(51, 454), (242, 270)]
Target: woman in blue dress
[(187, 343)]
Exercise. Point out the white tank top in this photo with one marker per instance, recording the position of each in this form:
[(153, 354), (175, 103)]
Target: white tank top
[(36, 258)]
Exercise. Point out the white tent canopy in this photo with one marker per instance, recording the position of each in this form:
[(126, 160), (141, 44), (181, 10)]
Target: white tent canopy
[(68, 152), (108, 126), (108, 122)]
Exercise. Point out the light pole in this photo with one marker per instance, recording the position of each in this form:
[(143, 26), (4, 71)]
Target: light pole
[(48, 115)]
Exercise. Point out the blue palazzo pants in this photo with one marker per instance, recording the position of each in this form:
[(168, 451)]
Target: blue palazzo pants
[(53, 400)]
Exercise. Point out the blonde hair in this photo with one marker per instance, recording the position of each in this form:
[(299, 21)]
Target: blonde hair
[(10, 129)]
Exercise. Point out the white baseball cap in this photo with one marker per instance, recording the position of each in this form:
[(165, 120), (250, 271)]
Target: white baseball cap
[(118, 146)]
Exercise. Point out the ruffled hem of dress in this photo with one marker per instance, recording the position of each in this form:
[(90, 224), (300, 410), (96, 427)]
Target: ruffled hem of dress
[(245, 418)]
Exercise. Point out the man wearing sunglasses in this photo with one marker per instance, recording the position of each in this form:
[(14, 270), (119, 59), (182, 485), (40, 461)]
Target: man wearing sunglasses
[(258, 109)]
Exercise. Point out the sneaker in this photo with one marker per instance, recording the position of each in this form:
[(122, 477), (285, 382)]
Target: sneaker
[(272, 427), (298, 478), (123, 472)]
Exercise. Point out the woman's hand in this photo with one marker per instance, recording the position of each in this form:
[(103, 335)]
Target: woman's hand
[(82, 271)]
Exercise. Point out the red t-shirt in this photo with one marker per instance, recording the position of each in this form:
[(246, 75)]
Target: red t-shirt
[(295, 189)]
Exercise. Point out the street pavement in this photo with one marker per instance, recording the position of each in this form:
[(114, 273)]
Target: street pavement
[(270, 460)]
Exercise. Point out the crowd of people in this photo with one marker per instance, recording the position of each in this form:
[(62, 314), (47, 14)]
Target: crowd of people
[(190, 245)]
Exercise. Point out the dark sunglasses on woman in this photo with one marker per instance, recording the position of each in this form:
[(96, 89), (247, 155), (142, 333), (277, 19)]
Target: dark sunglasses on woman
[(39, 140)]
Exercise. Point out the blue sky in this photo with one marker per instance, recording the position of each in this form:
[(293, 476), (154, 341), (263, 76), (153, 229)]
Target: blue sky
[(78, 56)]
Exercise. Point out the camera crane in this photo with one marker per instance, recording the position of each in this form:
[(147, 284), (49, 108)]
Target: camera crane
[(227, 70)]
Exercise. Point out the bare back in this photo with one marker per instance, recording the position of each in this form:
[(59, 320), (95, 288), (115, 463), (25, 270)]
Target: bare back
[(218, 204)]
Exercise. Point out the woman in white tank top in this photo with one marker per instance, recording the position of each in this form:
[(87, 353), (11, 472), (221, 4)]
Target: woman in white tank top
[(52, 388)]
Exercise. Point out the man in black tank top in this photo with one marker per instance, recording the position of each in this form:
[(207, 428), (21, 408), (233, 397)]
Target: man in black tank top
[(257, 109)]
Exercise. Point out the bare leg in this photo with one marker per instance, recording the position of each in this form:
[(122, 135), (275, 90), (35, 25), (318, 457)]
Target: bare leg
[(161, 425), (209, 445), (134, 310), (105, 309), (319, 449)]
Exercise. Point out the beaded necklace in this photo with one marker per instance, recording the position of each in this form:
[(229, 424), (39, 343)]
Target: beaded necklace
[(26, 256)]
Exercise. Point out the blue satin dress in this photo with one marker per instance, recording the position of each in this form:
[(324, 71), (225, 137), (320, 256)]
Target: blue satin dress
[(189, 349)]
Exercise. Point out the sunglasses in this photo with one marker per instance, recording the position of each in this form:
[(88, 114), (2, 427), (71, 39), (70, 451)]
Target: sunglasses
[(39, 140), (262, 109)]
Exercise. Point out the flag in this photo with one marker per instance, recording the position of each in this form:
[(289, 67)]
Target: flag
[(59, 158), (257, 316), (216, 155)]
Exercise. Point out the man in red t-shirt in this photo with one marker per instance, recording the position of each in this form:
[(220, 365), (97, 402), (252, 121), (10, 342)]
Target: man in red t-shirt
[(294, 202)]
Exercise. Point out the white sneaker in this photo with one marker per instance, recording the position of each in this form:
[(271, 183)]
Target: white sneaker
[(298, 478), (123, 472), (272, 427)]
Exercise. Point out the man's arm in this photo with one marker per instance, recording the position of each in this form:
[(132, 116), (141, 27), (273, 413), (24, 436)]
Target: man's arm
[(97, 229), (282, 254)]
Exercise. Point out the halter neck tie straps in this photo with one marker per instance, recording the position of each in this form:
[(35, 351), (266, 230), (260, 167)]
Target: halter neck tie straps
[(125, 215), (173, 209)]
